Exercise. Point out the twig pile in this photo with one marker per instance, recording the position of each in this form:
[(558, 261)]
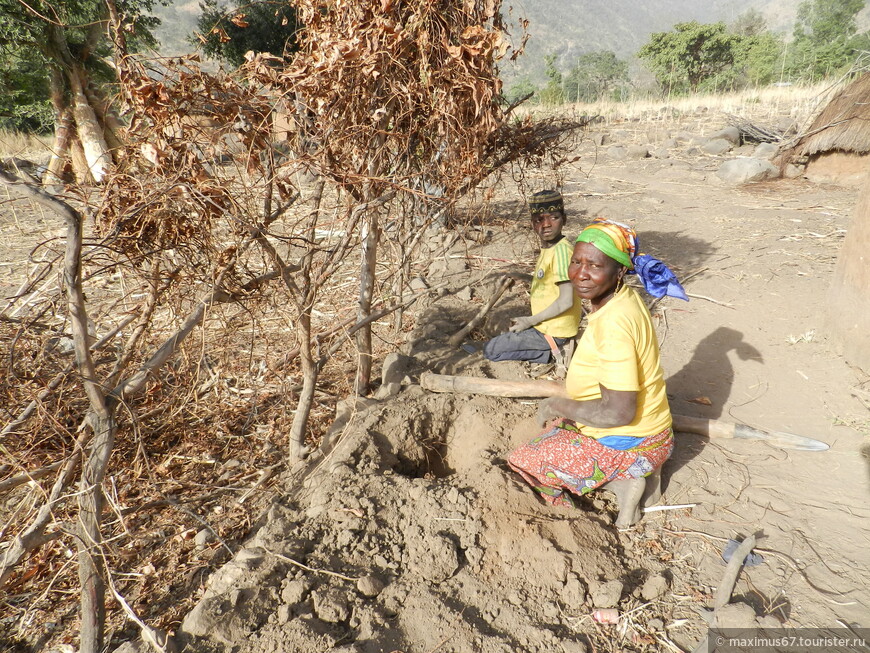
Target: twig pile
[(754, 133), (394, 111)]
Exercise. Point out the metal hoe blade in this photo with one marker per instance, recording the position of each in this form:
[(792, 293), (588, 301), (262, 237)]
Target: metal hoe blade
[(780, 439)]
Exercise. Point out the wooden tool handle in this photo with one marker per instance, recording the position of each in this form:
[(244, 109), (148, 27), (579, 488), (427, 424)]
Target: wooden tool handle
[(492, 387), (712, 428)]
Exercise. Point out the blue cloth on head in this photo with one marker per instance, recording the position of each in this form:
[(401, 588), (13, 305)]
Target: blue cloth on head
[(657, 278)]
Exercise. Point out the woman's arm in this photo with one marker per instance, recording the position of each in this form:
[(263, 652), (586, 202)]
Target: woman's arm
[(615, 408)]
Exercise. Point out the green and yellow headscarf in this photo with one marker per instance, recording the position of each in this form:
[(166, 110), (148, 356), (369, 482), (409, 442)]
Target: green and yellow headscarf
[(617, 240)]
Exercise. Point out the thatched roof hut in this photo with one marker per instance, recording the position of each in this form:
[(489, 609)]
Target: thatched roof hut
[(844, 124), (837, 144)]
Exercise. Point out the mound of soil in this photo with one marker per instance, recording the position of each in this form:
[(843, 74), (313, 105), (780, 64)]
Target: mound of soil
[(412, 535)]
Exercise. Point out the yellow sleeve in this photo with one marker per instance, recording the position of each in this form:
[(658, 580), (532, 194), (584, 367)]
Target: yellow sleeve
[(561, 260)]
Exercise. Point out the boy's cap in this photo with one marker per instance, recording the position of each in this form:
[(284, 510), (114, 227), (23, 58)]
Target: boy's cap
[(546, 201)]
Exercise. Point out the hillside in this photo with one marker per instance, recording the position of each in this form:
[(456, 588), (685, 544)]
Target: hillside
[(177, 23), (574, 27), (566, 27), (578, 26)]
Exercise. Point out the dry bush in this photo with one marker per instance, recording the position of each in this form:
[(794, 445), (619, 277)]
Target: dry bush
[(222, 283)]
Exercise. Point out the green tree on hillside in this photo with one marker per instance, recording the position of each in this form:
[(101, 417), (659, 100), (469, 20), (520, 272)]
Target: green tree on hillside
[(750, 23), (690, 54), (264, 26), (552, 93), (24, 95), (594, 75), (823, 21), (520, 89), (757, 59), (825, 37)]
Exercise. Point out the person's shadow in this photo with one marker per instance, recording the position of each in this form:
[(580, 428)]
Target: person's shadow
[(702, 387)]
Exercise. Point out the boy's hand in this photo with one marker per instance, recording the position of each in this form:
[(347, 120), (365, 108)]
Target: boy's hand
[(519, 276), (521, 324)]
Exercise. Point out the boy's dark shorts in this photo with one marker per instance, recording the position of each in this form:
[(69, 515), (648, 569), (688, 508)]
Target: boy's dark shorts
[(529, 345)]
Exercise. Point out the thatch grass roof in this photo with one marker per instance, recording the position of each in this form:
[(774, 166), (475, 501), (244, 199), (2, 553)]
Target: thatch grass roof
[(843, 125)]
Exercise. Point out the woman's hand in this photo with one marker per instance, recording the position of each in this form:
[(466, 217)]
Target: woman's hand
[(547, 411), (615, 408)]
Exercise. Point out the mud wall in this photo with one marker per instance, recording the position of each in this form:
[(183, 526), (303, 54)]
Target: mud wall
[(842, 168), (848, 313)]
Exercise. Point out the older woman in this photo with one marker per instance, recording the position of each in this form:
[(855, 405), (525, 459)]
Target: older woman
[(617, 424)]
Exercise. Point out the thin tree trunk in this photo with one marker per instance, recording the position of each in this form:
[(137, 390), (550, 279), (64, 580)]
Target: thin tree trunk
[(403, 269), (90, 555), (79, 160), (310, 367), (101, 419), (367, 286), (309, 384), (111, 126), (63, 132), (398, 289), (88, 128)]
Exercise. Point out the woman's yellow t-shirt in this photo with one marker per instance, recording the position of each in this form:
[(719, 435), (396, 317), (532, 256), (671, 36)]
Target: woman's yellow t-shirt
[(620, 350), (551, 269)]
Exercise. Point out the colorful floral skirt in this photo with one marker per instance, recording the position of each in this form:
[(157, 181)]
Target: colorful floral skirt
[(562, 458)]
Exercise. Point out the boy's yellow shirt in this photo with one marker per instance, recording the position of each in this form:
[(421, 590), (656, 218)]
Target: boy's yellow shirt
[(550, 270)]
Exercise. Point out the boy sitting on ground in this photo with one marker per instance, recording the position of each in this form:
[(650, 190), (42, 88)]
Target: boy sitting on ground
[(550, 329)]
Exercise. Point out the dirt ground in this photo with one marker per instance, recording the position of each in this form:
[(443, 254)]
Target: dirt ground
[(412, 536), (439, 547)]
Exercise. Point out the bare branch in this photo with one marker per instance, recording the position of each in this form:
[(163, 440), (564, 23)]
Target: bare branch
[(34, 535), (26, 477), (133, 384)]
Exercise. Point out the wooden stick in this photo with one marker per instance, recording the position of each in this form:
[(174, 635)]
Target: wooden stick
[(492, 387), (26, 477), (709, 299), (712, 428), (457, 337)]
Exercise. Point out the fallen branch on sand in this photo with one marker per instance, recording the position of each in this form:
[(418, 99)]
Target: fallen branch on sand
[(709, 299), (787, 559), (457, 337), (729, 578), (726, 585)]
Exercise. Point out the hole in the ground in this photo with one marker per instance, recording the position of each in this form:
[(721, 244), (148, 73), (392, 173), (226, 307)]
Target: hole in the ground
[(427, 461), (419, 440)]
